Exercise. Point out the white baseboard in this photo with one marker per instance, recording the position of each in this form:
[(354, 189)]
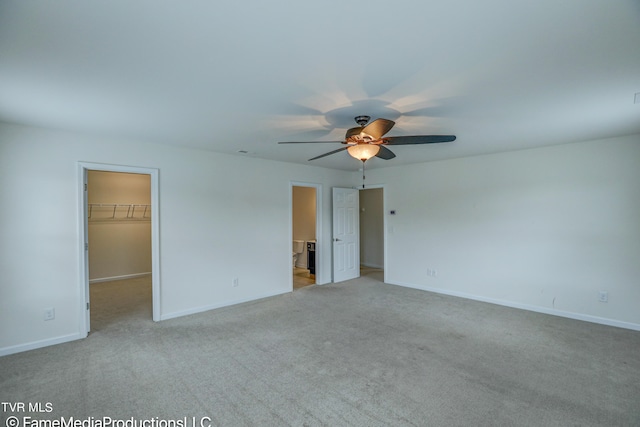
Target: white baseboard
[(371, 265), (537, 309), (219, 305), (126, 276), (39, 344)]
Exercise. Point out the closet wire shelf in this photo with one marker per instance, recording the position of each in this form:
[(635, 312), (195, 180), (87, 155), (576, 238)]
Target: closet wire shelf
[(109, 212)]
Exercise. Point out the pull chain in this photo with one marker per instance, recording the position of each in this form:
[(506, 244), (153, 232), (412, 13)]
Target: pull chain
[(363, 163)]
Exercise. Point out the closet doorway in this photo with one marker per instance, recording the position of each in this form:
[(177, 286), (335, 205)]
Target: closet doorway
[(372, 232), (120, 244)]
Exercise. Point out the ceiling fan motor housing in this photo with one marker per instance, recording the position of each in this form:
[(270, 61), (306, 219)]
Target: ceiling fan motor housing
[(362, 120)]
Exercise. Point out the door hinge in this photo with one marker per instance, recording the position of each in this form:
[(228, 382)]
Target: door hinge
[(85, 187), (87, 306), (86, 246)]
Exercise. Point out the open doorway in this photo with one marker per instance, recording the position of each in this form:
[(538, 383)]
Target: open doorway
[(372, 247), (119, 235), (304, 232)]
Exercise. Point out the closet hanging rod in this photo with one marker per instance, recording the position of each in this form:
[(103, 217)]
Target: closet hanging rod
[(108, 205)]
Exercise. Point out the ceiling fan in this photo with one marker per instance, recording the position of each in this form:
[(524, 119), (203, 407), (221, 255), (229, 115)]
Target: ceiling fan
[(366, 140)]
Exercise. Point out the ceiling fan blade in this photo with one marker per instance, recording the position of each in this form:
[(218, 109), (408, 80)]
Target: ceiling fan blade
[(378, 127), (330, 153), (353, 132), (418, 139), (385, 153), (310, 142)]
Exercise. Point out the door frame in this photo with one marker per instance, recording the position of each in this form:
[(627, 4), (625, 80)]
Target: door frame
[(83, 213), (319, 257)]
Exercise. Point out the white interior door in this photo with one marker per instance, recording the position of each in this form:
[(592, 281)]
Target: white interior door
[(85, 249), (346, 234)]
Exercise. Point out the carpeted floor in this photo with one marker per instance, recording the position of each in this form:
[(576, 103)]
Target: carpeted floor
[(357, 353)]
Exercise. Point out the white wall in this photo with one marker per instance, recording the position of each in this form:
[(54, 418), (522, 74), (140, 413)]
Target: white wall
[(214, 216), (119, 247), (543, 229)]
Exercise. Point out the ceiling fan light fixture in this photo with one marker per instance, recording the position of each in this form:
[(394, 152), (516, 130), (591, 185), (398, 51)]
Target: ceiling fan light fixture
[(363, 151)]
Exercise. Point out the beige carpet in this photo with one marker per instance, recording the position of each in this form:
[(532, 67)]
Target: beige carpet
[(358, 353)]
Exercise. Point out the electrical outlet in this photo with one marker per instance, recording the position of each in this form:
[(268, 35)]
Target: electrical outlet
[(235, 282), (603, 296), (49, 313)]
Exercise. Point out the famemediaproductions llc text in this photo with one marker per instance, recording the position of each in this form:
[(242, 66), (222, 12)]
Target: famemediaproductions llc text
[(28, 421)]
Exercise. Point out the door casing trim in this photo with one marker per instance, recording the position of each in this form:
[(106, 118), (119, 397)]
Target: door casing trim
[(83, 291)]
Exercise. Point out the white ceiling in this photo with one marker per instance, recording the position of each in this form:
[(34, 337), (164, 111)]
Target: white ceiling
[(241, 75)]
